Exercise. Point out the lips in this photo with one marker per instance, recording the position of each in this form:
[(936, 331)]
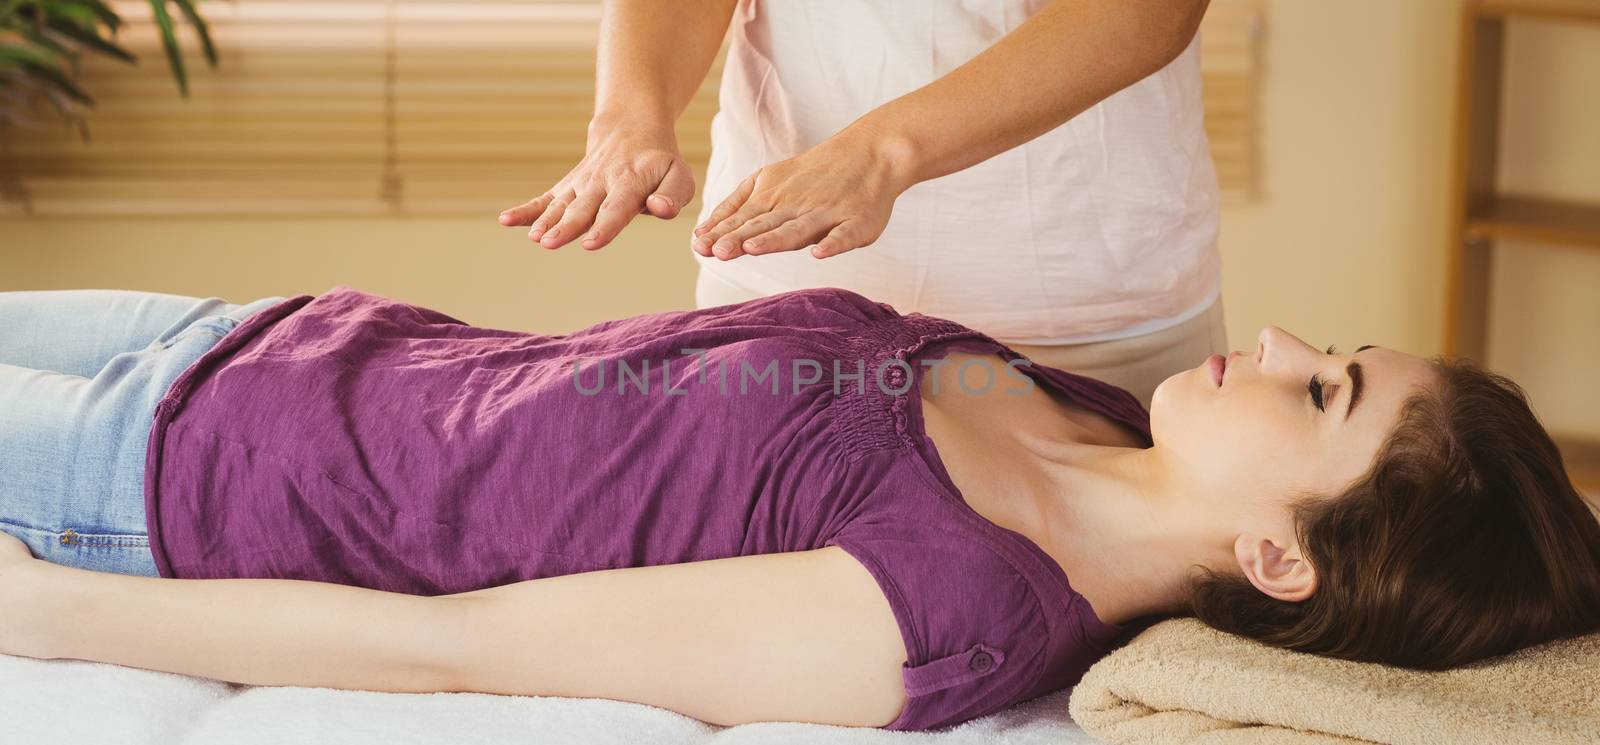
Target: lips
[(1218, 366)]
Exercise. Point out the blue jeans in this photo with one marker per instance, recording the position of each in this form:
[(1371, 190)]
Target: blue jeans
[(81, 372)]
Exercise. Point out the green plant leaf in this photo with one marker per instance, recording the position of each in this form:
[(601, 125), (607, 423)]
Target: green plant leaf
[(20, 96), (13, 116), (200, 29), (40, 40), (103, 12), (169, 42), (42, 68), (85, 12), (53, 79), (22, 53), (92, 40), (38, 37), (10, 9), (71, 11), (69, 113)]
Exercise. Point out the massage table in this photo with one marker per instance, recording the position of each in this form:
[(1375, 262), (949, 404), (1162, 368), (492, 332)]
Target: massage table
[(46, 701)]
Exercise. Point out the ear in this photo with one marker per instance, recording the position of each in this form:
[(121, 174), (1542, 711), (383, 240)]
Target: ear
[(1280, 573)]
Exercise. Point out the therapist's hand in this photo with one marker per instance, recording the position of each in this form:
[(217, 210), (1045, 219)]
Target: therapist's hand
[(834, 197), (626, 171)]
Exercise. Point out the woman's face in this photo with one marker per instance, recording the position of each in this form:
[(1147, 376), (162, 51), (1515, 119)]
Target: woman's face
[(1260, 437)]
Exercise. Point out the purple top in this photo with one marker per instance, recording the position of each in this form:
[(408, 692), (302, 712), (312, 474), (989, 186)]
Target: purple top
[(349, 438)]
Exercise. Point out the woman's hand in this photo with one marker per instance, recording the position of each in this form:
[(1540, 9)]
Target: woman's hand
[(836, 195), (12, 552), (16, 563), (626, 171)]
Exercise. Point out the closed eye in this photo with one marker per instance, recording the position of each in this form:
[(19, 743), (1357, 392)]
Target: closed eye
[(1316, 387), (1316, 384)]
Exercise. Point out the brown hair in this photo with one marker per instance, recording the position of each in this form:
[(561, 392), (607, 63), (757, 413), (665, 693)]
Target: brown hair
[(1464, 540)]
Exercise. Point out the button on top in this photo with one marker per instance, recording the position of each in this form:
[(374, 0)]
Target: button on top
[(981, 662)]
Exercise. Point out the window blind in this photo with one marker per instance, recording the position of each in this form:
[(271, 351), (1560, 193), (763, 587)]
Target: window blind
[(1230, 44), (373, 107)]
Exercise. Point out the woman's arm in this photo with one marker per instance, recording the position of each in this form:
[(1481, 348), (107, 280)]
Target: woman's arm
[(255, 631), (652, 57), (805, 636), (1061, 61)]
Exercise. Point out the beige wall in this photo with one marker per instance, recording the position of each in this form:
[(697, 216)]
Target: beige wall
[(473, 269), (1346, 244)]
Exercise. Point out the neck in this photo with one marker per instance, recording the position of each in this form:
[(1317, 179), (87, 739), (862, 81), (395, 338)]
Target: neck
[(1123, 524), (1120, 526)]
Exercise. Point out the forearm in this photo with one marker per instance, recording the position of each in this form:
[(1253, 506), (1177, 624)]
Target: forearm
[(653, 55), (252, 631), (1061, 61)]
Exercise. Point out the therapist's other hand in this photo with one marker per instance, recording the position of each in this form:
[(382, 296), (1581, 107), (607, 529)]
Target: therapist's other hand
[(835, 197), (625, 172)]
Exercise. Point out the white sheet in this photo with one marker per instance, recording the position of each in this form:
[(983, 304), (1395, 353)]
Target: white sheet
[(60, 700)]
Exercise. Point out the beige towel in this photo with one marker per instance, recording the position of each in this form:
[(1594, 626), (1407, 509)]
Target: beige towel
[(1181, 681)]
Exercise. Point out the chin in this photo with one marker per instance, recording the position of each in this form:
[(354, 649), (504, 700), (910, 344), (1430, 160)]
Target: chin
[(1177, 384), (1160, 393), (1159, 403), (1174, 395)]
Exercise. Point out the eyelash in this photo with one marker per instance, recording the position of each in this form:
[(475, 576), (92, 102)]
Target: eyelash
[(1316, 384)]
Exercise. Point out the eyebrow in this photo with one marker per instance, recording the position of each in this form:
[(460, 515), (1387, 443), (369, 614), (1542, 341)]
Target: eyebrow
[(1354, 371)]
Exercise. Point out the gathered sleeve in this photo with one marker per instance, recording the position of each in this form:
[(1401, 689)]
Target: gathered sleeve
[(975, 634)]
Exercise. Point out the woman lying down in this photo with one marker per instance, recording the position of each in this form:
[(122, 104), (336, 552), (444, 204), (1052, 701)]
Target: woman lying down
[(806, 507)]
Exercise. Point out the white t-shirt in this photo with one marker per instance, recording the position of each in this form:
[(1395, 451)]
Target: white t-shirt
[(1102, 228)]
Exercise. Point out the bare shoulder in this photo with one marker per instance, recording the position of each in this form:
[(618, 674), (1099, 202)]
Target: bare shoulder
[(803, 636)]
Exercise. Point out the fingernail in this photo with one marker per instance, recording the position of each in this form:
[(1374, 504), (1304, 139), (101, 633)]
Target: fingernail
[(751, 244), (536, 231), (663, 199), (554, 233), (721, 248)]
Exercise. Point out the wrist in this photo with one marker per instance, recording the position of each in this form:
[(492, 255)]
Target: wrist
[(891, 150), (656, 126), (24, 607)]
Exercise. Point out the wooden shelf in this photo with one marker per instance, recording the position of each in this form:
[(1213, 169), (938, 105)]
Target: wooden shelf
[(1536, 219), (1564, 10), (1482, 216), (1582, 458)]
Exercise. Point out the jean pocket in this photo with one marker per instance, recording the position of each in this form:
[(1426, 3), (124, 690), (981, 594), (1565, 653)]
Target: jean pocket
[(70, 537), (210, 327), (120, 553)]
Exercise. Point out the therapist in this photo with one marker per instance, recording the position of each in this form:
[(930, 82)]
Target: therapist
[(1034, 170)]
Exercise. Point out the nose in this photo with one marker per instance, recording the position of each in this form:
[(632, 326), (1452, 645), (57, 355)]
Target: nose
[(1276, 346)]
